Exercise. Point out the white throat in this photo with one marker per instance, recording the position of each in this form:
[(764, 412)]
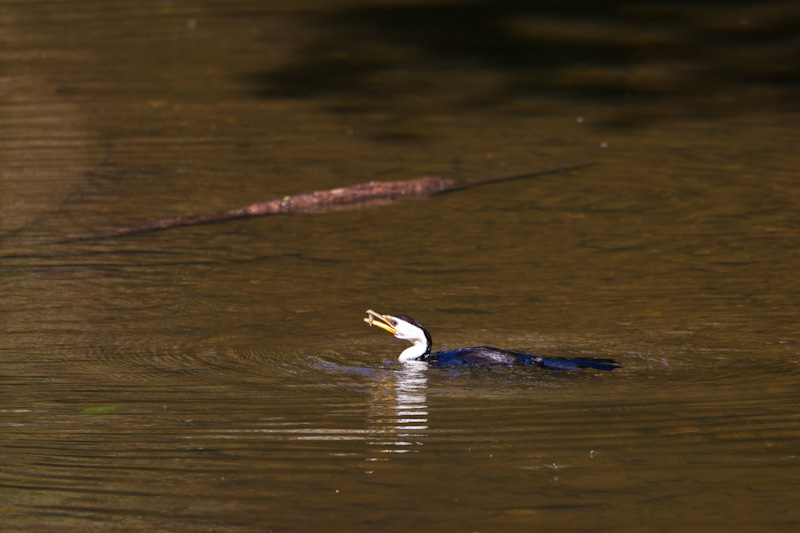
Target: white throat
[(414, 352)]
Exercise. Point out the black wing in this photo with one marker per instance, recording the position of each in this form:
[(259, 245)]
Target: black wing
[(489, 356)]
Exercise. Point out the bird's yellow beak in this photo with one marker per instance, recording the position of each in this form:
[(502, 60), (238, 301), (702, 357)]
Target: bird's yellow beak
[(382, 321)]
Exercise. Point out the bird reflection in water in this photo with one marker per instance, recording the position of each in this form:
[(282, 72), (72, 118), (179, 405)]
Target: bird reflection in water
[(401, 417)]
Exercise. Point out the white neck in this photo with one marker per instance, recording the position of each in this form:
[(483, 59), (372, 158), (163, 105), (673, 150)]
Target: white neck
[(414, 352)]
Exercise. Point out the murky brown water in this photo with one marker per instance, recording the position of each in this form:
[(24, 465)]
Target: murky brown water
[(219, 378)]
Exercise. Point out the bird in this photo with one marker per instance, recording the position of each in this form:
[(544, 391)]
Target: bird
[(406, 328)]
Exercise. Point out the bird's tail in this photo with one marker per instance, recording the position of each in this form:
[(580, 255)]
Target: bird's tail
[(557, 363)]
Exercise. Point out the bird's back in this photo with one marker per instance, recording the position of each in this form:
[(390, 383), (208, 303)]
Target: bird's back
[(484, 355), (489, 355)]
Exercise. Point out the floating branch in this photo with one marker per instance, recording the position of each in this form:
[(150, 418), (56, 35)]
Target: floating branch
[(374, 193)]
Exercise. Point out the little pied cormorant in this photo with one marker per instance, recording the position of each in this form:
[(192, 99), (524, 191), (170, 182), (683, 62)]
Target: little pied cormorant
[(406, 328)]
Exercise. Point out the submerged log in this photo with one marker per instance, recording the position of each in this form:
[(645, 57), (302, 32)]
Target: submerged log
[(374, 193)]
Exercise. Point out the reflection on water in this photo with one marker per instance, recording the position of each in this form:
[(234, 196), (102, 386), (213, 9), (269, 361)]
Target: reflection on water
[(400, 416)]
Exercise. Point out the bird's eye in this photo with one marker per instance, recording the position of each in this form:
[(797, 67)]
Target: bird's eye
[(394, 322)]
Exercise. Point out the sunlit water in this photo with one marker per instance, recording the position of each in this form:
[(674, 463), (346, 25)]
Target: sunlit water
[(219, 378)]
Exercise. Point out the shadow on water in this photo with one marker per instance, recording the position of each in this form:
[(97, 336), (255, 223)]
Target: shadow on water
[(609, 50)]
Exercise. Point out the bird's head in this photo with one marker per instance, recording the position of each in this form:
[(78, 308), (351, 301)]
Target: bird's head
[(406, 328)]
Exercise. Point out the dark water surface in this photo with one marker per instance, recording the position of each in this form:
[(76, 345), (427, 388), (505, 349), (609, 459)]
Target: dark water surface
[(219, 377)]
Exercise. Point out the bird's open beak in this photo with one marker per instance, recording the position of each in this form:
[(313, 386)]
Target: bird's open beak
[(382, 321)]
